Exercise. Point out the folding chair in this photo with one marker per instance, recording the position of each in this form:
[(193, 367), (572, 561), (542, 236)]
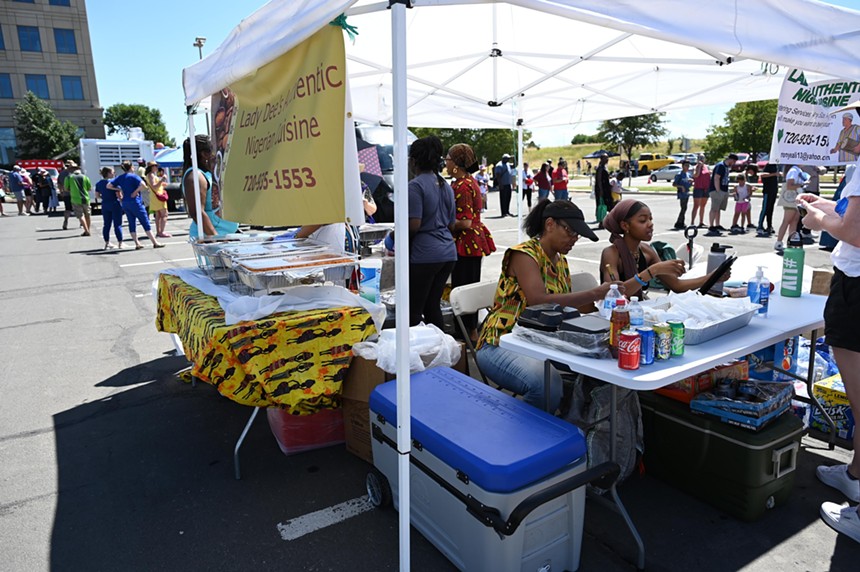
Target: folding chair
[(468, 300), (580, 281)]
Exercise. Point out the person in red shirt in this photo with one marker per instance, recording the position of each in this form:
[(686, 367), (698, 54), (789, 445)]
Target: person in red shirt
[(559, 182)]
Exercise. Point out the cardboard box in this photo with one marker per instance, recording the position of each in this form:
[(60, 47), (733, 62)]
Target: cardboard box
[(821, 282), (782, 355), (830, 393), (686, 389), (764, 402), (362, 377)]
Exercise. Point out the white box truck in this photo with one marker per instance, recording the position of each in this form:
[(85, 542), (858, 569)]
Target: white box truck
[(98, 153)]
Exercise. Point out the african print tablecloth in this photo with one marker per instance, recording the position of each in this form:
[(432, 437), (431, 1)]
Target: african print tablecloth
[(296, 360)]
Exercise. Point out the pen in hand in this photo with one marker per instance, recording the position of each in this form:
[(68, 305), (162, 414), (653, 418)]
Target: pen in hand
[(610, 274)]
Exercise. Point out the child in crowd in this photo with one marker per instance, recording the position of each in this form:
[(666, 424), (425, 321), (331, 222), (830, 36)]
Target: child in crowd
[(743, 198)]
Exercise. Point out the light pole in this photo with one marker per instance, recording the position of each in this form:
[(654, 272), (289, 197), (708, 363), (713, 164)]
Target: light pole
[(199, 41)]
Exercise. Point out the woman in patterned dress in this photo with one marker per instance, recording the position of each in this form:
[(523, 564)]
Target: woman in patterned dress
[(473, 239)]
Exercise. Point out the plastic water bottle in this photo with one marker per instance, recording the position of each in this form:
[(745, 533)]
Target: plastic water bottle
[(637, 314), (609, 301), (758, 289)]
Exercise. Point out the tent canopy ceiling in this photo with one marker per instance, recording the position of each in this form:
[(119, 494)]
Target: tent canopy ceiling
[(473, 63)]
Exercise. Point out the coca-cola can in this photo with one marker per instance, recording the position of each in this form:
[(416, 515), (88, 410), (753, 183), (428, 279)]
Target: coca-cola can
[(629, 345)]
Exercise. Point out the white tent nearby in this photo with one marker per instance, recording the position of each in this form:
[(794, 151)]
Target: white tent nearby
[(535, 63)]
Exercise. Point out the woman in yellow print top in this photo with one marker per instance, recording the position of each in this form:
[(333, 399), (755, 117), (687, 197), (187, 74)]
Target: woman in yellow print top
[(534, 272)]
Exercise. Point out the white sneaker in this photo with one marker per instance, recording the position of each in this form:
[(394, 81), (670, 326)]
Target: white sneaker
[(837, 477), (842, 519), (777, 246)]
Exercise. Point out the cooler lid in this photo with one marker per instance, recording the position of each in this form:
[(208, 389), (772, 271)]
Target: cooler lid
[(501, 443)]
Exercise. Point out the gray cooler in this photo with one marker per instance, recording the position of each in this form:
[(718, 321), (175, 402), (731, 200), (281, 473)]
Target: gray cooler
[(496, 484)]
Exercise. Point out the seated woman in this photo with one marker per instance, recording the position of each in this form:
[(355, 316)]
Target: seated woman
[(633, 263), (534, 272)]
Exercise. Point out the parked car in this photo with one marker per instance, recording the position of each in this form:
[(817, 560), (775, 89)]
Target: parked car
[(667, 173), (649, 162), (742, 163)]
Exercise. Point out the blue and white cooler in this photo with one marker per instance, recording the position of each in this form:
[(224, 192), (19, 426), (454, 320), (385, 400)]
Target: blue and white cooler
[(497, 485)]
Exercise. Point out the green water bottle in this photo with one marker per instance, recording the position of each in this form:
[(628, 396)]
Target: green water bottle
[(792, 267)]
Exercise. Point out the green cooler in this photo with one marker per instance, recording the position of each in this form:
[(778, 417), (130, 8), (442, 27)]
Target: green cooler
[(738, 471)]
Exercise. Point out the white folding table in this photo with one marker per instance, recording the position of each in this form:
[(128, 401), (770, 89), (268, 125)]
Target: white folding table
[(787, 317)]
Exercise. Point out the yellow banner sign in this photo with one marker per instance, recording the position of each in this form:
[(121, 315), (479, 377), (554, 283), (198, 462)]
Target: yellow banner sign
[(278, 137)]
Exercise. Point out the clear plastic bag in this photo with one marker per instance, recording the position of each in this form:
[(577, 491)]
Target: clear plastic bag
[(428, 347), (577, 343)]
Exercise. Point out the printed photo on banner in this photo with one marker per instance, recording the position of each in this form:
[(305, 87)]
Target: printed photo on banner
[(279, 137), (810, 129)]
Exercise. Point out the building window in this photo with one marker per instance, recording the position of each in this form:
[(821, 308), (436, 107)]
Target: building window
[(25, 1), (65, 40), (28, 37), (38, 84), (2, 41), (8, 145), (73, 88), (59, 3), (5, 86)]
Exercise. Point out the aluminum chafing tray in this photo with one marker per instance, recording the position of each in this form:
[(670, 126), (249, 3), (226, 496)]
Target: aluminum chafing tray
[(207, 249), (235, 252), (270, 274), (374, 232)]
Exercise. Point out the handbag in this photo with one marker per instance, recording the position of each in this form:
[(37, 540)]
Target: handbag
[(601, 211)]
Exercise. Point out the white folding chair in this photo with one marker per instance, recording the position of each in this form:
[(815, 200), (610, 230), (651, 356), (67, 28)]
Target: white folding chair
[(580, 281), (469, 299)]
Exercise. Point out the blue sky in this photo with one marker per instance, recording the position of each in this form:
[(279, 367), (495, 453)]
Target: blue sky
[(139, 56)]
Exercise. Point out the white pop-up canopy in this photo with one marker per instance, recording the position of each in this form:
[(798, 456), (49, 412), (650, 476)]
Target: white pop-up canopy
[(483, 64), (479, 63)]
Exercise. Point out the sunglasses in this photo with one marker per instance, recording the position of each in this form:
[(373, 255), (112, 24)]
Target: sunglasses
[(570, 232)]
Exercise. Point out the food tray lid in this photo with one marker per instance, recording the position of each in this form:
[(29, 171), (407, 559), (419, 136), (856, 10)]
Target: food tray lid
[(499, 442), (295, 262), (272, 248)]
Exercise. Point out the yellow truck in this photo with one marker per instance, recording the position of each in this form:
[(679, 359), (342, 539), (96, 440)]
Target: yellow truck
[(649, 162)]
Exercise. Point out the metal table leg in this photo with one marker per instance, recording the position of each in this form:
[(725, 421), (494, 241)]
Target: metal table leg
[(613, 410), (241, 439)]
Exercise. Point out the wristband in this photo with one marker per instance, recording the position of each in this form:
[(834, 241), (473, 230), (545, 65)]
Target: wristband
[(639, 280), (650, 274)]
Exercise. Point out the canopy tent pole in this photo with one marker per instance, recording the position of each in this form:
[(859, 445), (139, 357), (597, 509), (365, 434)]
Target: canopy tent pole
[(401, 272), (194, 171), (521, 171), (495, 56)]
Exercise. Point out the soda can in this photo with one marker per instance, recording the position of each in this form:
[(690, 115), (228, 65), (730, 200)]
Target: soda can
[(646, 351), (662, 340), (677, 337), (628, 349)]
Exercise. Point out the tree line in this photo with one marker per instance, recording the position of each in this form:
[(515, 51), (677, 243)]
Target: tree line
[(746, 127)]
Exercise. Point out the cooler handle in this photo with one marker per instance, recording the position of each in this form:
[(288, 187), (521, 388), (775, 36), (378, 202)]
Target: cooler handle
[(778, 470)]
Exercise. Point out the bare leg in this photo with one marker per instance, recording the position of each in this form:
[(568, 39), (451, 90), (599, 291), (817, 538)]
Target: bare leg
[(155, 243), (849, 368), (136, 241), (789, 221)]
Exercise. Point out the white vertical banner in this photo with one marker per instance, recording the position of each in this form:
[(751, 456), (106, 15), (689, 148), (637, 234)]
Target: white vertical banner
[(808, 130)]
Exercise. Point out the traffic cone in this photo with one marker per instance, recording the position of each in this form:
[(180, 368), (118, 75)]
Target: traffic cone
[(649, 181)]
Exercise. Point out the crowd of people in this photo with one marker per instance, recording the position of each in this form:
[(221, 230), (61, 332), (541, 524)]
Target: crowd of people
[(129, 195)]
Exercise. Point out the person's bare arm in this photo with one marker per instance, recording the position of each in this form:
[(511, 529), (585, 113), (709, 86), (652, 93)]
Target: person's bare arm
[(526, 271), (822, 216), (191, 204)]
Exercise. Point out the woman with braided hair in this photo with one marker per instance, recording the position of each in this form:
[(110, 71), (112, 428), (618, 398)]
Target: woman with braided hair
[(432, 252)]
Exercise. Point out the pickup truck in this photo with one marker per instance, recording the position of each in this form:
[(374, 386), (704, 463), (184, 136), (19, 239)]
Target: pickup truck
[(649, 162)]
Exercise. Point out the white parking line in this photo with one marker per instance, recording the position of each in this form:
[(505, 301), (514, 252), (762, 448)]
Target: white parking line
[(168, 261), (311, 522)]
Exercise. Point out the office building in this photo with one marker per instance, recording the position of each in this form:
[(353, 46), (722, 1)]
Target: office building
[(45, 48)]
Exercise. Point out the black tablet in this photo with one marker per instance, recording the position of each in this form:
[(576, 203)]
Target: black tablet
[(715, 277)]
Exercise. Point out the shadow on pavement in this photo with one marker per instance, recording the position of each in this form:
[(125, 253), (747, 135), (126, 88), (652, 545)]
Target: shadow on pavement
[(145, 482)]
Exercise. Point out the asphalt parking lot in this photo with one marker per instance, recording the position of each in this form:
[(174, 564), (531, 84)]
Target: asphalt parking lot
[(108, 461)]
